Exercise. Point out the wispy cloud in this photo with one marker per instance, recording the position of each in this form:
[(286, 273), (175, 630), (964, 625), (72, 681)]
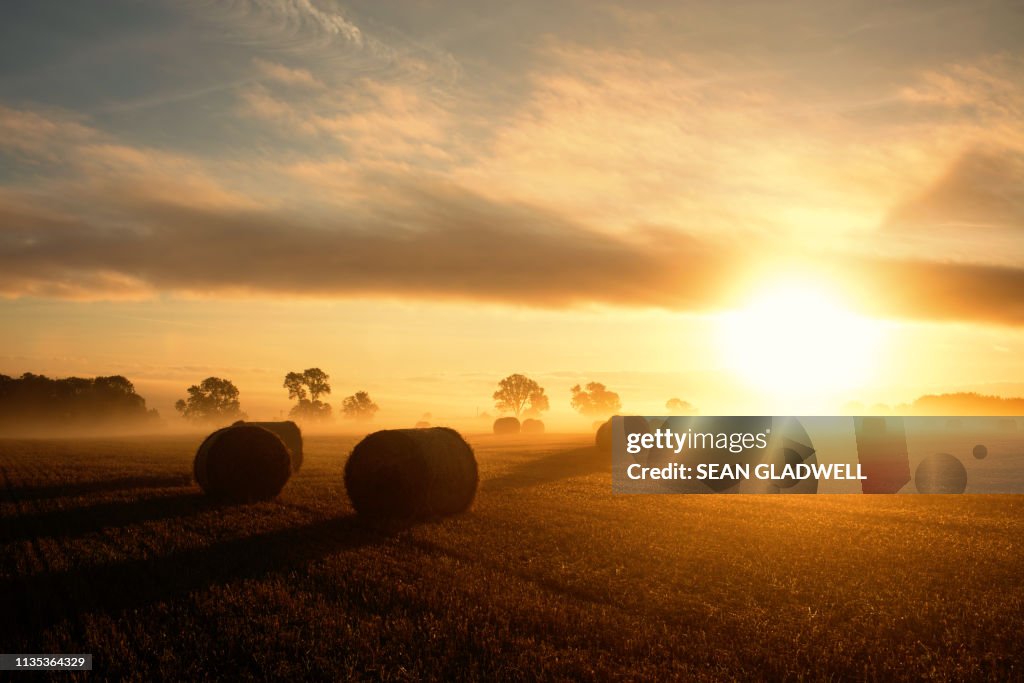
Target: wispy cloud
[(327, 37), (83, 169), (39, 135), (283, 23), (983, 188), (287, 75)]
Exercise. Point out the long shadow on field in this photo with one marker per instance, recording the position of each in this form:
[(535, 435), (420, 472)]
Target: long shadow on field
[(74, 522), (577, 462), (98, 486), (109, 589)]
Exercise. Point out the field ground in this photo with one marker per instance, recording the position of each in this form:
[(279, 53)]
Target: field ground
[(109, 548)]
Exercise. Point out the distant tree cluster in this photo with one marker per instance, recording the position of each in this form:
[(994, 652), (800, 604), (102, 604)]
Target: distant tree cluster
[(522, 396), (217, 400), (595, 400), (359, 406), (963, 403), (307, 387), (677, 406), (518, 394), (212, 400), (33, 401), (967, 404)]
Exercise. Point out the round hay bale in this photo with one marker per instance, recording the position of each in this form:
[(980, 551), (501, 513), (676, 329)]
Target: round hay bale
[(940, 473), (406, 473), (532, 426), (630, 423), (289, 433), (506, 425), (242, 463), (603, 437)]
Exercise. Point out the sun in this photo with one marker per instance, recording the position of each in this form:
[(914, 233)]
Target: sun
[(798, 343)]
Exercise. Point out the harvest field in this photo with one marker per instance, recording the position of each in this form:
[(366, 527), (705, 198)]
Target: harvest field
[(109, 548)]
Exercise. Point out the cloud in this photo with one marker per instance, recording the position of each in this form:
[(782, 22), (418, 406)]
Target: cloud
[(945, 291), (620, 178), (617, 137), (974, 209), (621, 136), (439, 243), (283, 24), (986, 88), (333, 46), (286, 75), (39, 135), (983, 188), (80, 166), (302, 11), (443, 243), (373, 122)]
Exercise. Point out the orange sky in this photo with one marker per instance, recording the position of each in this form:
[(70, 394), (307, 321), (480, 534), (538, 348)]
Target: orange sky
[(423, 198)]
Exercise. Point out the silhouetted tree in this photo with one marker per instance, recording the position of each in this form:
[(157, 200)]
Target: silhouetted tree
[(295, 383), (359, 406), (595, 400), (678, 406), (516, 392), (307, 387), (213, 399)]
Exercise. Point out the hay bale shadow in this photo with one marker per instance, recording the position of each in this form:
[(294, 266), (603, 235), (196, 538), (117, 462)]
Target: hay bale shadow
[(71, 523), (27, 493), (135, 584)]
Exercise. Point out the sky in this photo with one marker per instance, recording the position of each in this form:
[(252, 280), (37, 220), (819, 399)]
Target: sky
[(755, 207)]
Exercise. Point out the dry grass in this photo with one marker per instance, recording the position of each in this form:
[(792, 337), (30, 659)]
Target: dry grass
[(109, 548)]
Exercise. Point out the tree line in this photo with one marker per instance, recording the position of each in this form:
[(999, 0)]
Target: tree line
[(525, 397), (40, 401), (34, 401), (216, 399), (76, 402)]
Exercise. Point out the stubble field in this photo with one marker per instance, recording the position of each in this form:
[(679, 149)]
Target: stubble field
[(109, 548)]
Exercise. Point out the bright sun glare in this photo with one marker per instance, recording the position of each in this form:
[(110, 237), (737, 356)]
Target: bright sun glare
[(796, 342)]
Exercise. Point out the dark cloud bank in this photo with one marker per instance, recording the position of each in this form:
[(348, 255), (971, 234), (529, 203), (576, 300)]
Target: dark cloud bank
[(446, 245)]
